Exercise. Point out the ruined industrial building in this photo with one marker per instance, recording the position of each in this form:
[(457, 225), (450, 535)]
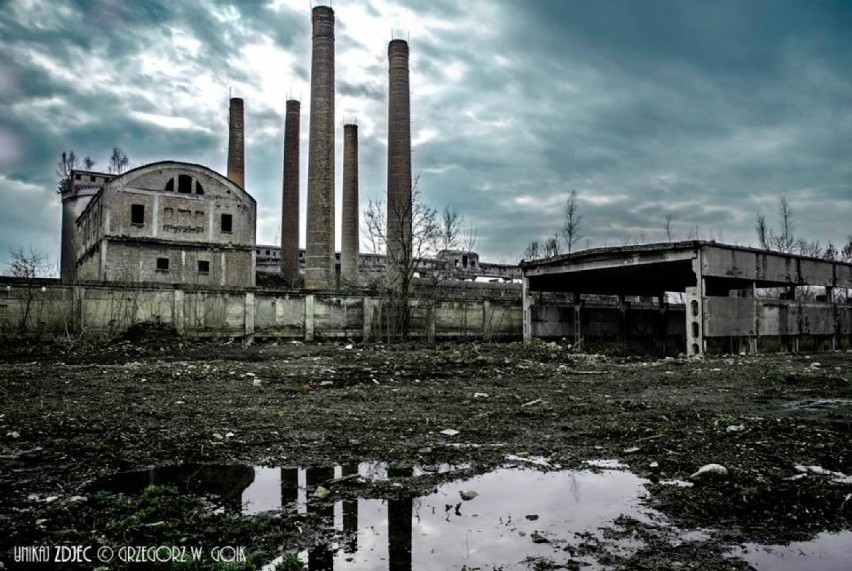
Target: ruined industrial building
[(182, 238)]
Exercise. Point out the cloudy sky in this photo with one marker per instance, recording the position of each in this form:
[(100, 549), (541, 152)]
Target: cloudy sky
[(707, 111)]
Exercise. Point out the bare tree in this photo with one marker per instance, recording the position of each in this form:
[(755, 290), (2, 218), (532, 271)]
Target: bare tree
[(67, 162), (552, 247), (88, 163), (806, 248), (403, 262), (28, 265), (533, 251), (669, 227), (762, 231), (571, 227), (118, 161), (846, 252), (830, 253), (785, 240), (451, 224), (470, 237)]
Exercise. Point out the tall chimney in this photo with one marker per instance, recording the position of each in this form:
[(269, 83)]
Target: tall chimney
[(236, 143), (290, 195), (319, 250), (350, 238), (399, 213)]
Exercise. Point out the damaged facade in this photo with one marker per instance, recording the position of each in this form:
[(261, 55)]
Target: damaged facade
[(167, 222)]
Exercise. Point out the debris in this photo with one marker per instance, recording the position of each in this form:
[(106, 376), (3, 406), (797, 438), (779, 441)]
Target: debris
[(735, 428), (480, 395), (425, 450), (449, 432), (467, 495), (349, 347), (632, 449), (532, 402), (531, 517), (74, 499), (229, 434), (326, 383), (654, 465), (257, 382), (795, 478), (217, 436), (321, 492), (710, 470), (538, 538), (13, 434)]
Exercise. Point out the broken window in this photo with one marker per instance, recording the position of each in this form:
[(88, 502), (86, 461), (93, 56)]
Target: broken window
[(203, 267), (227, 220), (198, 188), (184, 216), (464, 260), (170, 186), (185, 183), (77, 176), (92, 178), (162, 264), (168, 214), (137, 214)]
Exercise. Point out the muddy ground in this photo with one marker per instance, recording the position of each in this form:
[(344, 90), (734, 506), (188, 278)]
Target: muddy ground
[(71, 415)]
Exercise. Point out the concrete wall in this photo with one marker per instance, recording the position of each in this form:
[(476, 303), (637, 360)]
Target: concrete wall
[(742, 317), (50, 307)]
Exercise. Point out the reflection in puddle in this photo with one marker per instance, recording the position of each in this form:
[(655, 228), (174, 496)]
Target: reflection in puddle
[(516, 515), (826, 552)]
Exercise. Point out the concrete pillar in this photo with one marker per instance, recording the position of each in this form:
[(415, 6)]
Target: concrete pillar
[(250, 317), (319, 250), (754, 340), (290, 195), (662, 323), (236, 142), (178, 313), (350, 238), (399, 213), (695, 310), (526, 301), (578, 321), (369, 304), (309, 317)]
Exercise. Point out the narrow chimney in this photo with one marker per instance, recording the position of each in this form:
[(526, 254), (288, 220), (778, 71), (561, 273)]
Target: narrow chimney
[(350, 238), (319, 247), (236, 143), (399, 213), (290, 195)]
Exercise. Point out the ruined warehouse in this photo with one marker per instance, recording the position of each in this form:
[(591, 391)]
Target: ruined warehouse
[(167, 222), (717, 285)]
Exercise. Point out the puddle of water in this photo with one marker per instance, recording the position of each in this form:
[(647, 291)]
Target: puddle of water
[(516, 514), (826, 552)]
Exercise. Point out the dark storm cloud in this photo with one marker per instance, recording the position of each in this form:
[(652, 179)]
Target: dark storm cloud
[(708, 111), (727, 99)]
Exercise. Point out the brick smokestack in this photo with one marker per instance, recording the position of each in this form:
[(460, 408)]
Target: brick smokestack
[(399, 161), (290, 195), (319, 250), (236, 142), (350, 239)]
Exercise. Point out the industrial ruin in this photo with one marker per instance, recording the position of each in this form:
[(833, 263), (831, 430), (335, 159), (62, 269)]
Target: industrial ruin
[(182, 239)]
